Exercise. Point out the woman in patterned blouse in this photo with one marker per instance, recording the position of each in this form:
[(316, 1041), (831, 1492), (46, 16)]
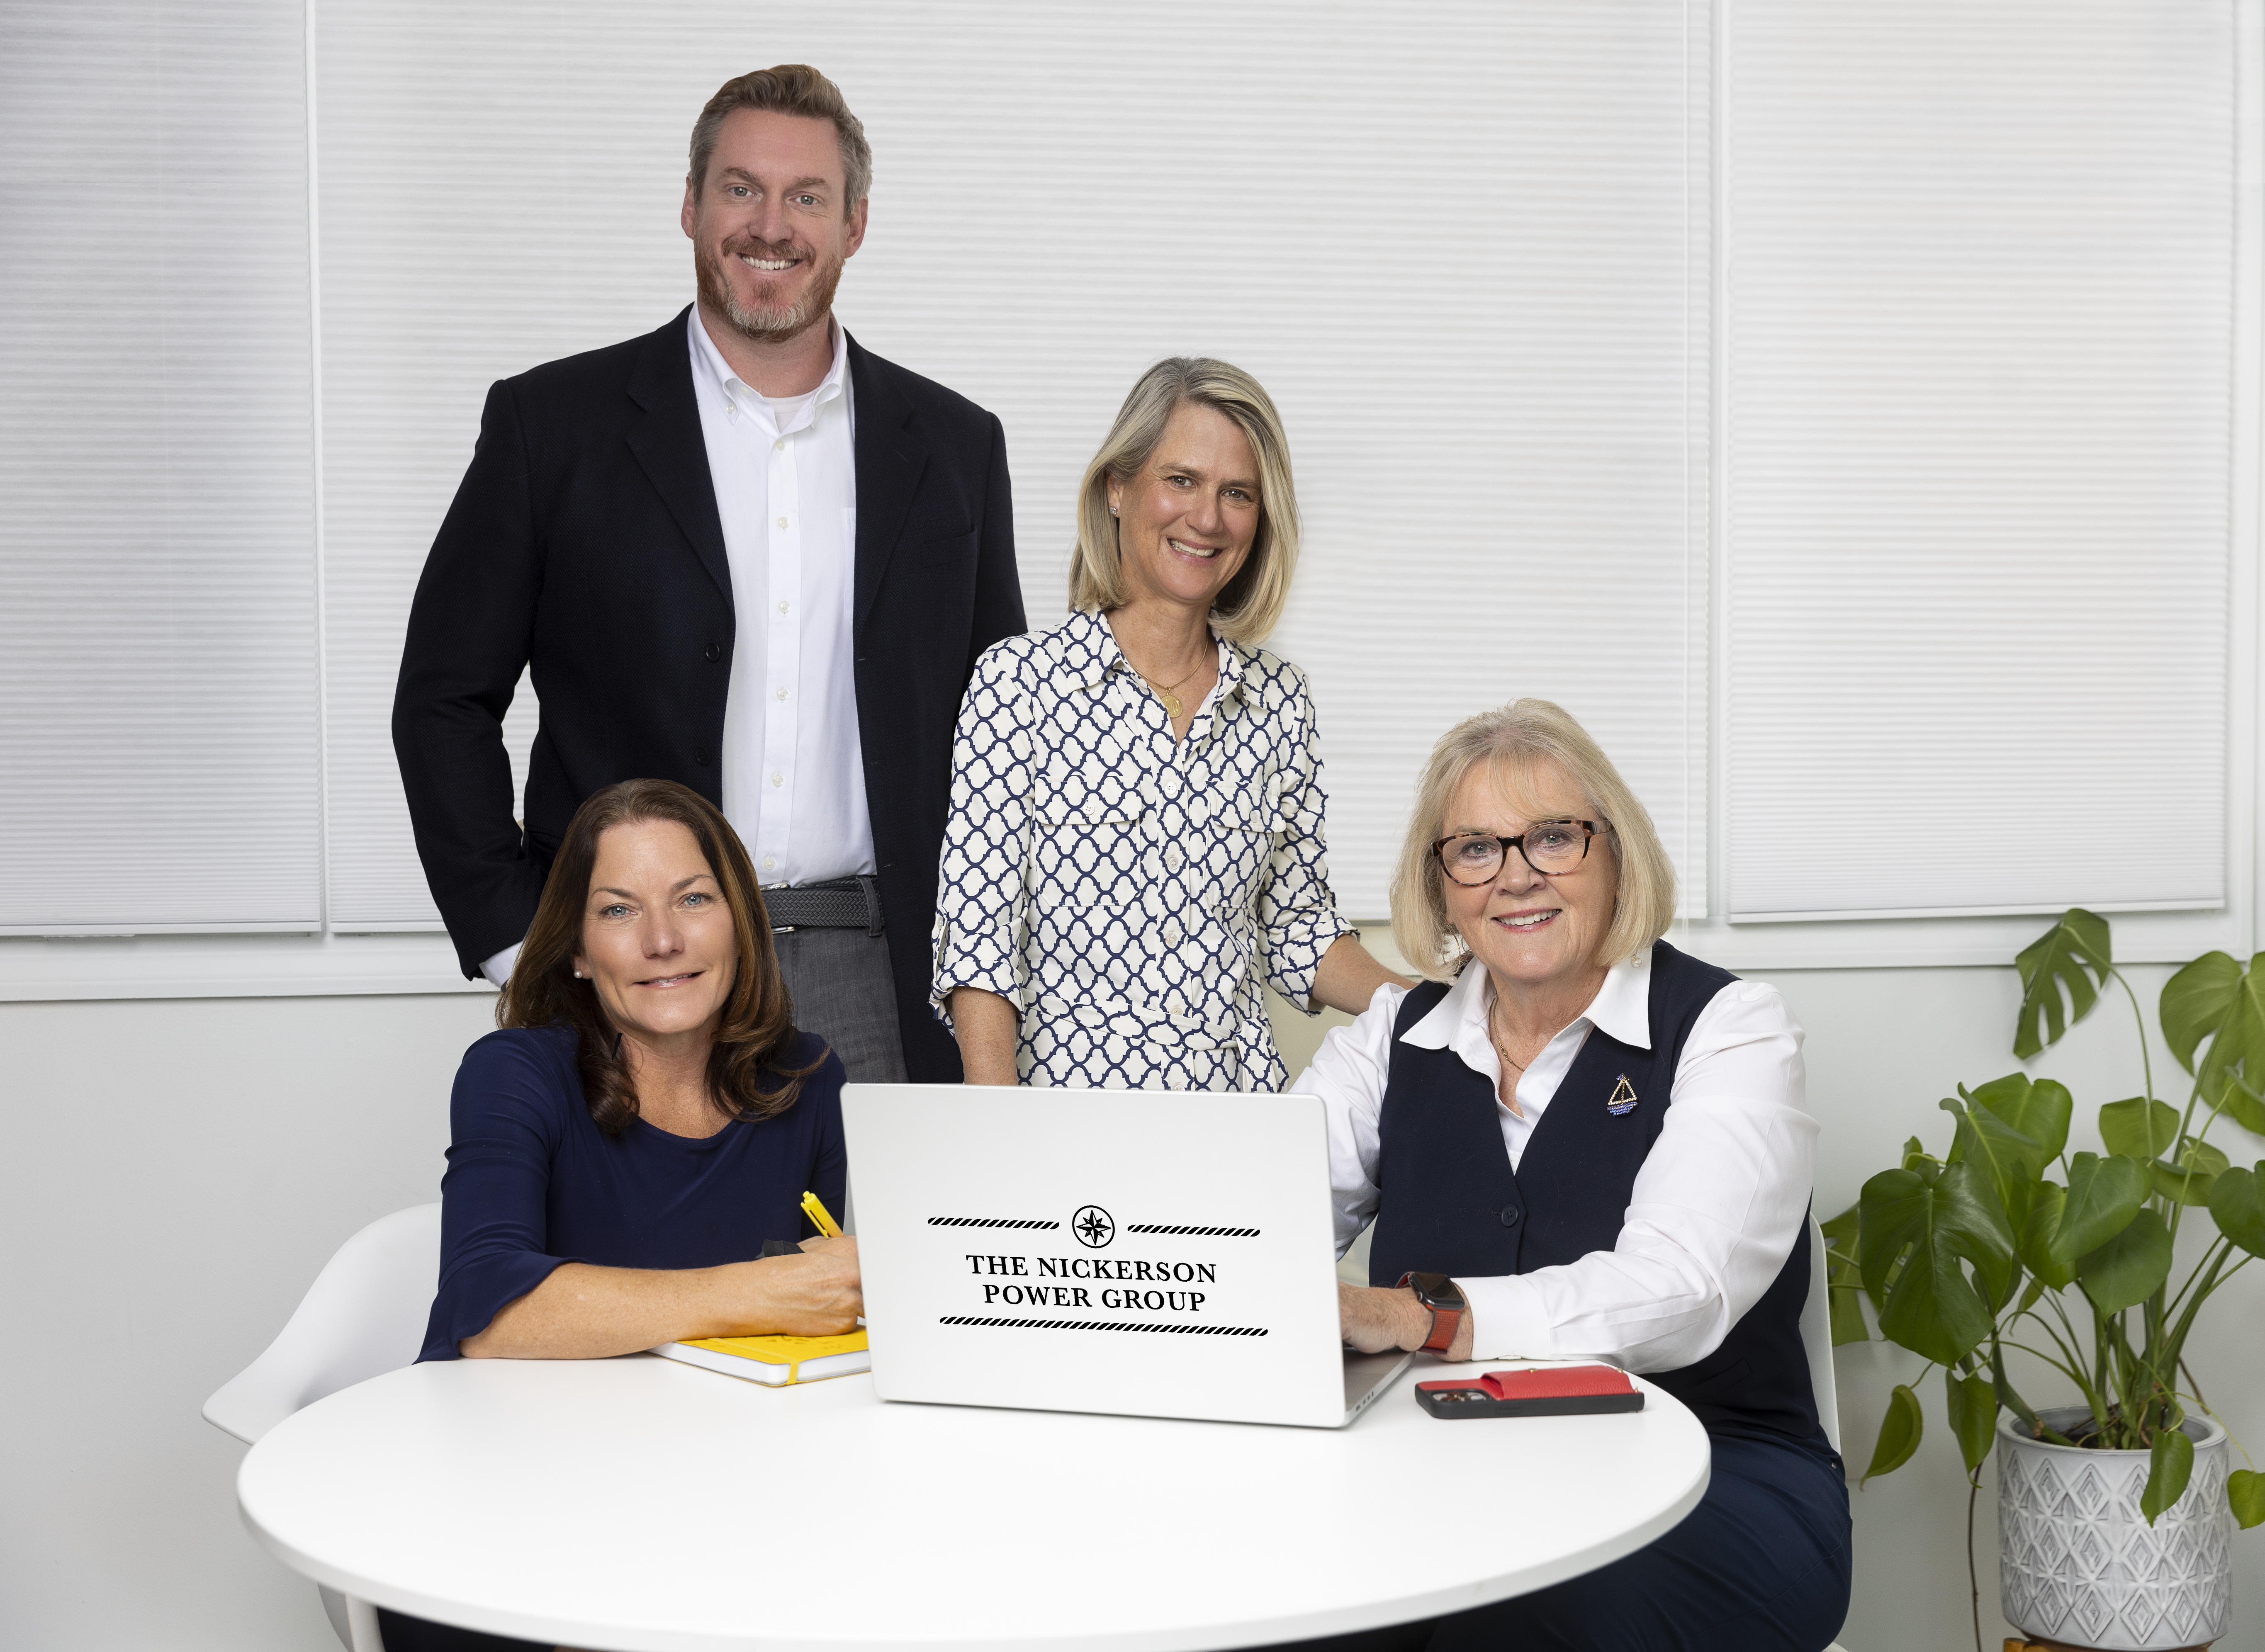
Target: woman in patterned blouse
[(1136, 841)]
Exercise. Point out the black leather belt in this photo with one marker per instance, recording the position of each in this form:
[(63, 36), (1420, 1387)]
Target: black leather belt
[(847, 903)]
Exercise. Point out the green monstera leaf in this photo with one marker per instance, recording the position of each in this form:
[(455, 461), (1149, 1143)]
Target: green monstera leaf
[(2040, 1109), (2011, 1159), (2129, 1267), (2214, 998), (2244, 1102), (1935, 1220), (1972, 1404), (2245, 1489), (2190, 1178), (2197, 1002), (2170, 1465), (1843, 1280), (2071, 958), (2237, 1204), (2103, 1196), (1899, 1433), (2138, 1128), (2047, 1271)]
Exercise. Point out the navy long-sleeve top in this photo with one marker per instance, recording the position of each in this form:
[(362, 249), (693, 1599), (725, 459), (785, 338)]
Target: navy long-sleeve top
[(533, 1183)]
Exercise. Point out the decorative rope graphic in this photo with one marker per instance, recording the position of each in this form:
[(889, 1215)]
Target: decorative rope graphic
[(1197, 1232), (1107, 1325), (984, 1221)]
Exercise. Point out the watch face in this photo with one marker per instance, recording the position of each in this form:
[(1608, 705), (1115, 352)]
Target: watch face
[(1437, 1290)]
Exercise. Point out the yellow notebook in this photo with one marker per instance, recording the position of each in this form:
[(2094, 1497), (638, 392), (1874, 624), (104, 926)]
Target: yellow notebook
[(776, 1360)]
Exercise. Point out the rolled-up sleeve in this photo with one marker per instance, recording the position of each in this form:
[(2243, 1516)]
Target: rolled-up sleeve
[(504, 1121), (1297, 913), (982, 915)]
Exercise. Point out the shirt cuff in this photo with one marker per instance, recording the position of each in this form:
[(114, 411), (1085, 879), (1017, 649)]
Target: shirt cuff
[(939, 997), (1508, 1320), (1307, 945), (498, 968), (959, 963)]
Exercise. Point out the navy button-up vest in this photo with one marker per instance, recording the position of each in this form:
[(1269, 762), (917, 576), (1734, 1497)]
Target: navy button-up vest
[(1451, 1203)]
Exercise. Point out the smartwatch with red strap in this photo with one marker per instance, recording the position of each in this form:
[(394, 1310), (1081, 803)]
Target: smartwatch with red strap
[(1438, 1293)]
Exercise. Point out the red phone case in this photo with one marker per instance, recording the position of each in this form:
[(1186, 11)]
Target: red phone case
[(1557, 1390)]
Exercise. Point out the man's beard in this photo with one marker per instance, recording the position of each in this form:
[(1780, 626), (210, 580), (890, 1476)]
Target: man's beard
[(769, 323)]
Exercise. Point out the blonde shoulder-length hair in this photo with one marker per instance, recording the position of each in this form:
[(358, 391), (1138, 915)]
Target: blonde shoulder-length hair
[(1248, 608), (1518, 738)]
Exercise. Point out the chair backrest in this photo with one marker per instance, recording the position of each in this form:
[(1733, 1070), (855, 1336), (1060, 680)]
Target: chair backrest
[(1816, 1337), (363, 1316)]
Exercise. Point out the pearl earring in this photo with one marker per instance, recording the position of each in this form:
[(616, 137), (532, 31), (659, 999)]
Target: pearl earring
[(1112, 510), (577, 975)]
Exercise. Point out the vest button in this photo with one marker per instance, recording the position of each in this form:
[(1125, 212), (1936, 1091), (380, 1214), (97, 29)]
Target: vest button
[(1509, 1215)]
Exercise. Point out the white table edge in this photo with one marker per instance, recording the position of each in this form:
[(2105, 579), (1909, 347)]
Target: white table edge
[(1227, 1637)]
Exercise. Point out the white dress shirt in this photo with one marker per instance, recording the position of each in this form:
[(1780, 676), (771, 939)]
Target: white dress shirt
[(785, 476), (1717, 1207)]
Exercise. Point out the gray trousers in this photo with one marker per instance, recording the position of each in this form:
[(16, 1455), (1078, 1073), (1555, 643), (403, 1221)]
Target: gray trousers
[(844, 992)]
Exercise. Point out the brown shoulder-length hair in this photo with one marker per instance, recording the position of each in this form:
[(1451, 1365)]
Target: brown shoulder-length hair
[(744, 1076)]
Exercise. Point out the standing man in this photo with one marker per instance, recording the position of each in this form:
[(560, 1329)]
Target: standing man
[(739, 552)]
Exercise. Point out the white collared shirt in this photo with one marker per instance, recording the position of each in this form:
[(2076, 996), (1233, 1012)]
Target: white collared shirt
[(785, 476), (1717, 1207)]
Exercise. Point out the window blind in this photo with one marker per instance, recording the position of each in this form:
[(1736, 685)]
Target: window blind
[(1459, 251), (1970, 468), (1979, 439), (158, 715)]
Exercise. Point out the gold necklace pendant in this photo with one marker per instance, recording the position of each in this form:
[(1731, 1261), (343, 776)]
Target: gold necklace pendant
[(1173, 705)]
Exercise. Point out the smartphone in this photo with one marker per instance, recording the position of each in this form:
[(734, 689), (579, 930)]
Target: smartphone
[(1552, 1392)]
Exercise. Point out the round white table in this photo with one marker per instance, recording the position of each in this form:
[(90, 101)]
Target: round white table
[(641, 1505)]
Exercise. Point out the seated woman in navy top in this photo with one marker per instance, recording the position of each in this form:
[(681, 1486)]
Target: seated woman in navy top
[(647, 1118), (1580, 1143)]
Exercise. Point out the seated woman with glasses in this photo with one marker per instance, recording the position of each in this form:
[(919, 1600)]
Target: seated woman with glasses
[(646, 1122), (1135, 844), (1577, 1142)]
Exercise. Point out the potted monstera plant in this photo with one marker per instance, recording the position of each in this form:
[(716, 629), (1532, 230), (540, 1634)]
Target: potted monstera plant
[(2117, 1495)]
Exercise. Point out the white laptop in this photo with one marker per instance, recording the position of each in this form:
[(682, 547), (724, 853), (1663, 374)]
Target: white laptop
[(1153, 1253)]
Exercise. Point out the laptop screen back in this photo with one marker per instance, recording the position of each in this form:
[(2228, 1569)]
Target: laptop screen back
[(1141, 1252)]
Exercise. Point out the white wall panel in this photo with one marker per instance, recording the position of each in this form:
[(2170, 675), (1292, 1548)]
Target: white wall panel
[(158, 763), (1981, 412), (1457, 250)]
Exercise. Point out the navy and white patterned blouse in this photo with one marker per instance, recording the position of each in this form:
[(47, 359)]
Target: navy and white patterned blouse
[(1128, 893)]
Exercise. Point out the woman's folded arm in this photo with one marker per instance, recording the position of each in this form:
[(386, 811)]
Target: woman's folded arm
[(584, 1312)]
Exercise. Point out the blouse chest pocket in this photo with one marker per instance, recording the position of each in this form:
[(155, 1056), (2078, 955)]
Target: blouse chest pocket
[(1234, 834), (1085, 846)]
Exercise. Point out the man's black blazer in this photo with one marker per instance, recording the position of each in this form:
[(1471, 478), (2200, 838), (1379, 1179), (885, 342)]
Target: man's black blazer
[(584, 541)]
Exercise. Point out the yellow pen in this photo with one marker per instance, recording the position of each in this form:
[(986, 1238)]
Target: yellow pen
[(820, 1216)]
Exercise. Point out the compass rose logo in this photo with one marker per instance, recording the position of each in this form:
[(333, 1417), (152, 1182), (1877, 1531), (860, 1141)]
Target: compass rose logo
[(1093, 1227)]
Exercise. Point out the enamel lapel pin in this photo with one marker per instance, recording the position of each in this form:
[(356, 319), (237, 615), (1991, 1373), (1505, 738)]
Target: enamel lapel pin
[(1622, 1099)]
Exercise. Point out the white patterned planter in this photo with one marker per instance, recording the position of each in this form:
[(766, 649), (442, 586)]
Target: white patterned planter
[(2078, 1561)]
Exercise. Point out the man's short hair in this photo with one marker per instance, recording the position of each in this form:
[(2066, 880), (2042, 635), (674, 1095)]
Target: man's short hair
[(788, 89)]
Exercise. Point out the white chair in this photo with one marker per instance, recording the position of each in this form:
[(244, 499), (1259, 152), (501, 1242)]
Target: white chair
[(363, 1316), (1816, 1342), (1816, 1337)]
